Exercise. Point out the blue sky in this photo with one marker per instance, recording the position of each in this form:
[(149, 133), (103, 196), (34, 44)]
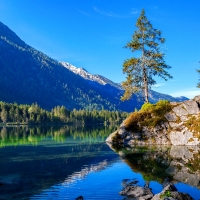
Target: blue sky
[(92, 33)]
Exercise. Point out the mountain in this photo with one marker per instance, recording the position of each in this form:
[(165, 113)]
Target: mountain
[(28, 76), (153, 95), (92, 77)]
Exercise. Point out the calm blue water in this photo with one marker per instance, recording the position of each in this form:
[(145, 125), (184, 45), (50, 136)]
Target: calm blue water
[(64, 163)]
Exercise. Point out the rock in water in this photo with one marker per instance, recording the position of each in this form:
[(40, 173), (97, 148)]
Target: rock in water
[(136, 192), (170, 192), (178, 126)]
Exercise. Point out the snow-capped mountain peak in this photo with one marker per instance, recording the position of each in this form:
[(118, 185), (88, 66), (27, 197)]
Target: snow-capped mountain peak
[(92, 77)]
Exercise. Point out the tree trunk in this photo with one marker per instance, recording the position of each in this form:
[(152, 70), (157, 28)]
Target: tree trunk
[(145, 86), (145, 81)]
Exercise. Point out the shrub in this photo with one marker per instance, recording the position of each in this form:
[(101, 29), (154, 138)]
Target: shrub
[(149, 115), (147, 107), (193, 124), (167, 193)]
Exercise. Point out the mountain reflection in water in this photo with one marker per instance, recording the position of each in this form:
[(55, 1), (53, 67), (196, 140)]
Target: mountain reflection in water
[(66, 162)]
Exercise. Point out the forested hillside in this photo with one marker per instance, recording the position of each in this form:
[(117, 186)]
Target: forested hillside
[(28, 76)]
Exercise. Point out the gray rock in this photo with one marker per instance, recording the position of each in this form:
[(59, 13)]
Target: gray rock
[(181, 152), (180, 138), (172, 131), (174, 103), (188, 178), (197, 99), (191, 106), (181, 196), (172, 170), (173, 194), (171, 116), (183, 118), (130, 137), (122, 130), (173, 124), (109, 138), (180, 110), (137, 192)]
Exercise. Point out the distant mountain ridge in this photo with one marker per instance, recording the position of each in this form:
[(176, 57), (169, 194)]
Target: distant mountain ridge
[(28, 75), (92, 77), (153, 95)]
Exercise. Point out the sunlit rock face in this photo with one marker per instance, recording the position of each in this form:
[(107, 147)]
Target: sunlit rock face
[(179, 127), (155, 163)]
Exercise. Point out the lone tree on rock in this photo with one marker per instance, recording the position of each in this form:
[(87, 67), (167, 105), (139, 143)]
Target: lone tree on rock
[(141, 70)]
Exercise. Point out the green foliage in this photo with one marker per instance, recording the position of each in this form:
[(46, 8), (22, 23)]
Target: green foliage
[(27, 114), (141, 70), (147, 107), (193, 124), (167, 193), (149, 115), (198, 84)]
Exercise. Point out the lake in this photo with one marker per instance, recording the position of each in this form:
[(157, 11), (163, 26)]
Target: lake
[(65, 162)]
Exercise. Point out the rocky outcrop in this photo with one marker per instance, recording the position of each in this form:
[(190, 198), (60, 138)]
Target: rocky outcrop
[(169, 192), (175, 129)]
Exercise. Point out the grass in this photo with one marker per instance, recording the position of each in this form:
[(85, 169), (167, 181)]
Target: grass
[(167, 193), (149, 115), (193, 124)]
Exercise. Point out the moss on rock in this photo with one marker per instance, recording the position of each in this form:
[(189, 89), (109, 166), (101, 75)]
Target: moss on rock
[(193, 124), (150, 115)]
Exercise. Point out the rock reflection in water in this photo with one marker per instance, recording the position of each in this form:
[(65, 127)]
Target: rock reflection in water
[(185, 165), (180, 164)]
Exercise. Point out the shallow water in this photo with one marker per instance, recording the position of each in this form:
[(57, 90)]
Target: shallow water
[(64, 163)]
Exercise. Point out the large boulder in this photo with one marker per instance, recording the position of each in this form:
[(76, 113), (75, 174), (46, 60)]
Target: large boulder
[(192, 107)]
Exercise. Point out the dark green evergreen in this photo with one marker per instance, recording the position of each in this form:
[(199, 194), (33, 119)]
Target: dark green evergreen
[(28, 76), (198, 84), (140, 71), (28, 114)]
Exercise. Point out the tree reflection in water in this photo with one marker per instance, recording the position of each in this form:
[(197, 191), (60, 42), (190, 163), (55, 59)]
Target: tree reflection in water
[(33, 159), (24, 135)]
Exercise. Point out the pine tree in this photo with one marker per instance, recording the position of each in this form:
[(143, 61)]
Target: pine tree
[(141, 70), (198, 84)]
